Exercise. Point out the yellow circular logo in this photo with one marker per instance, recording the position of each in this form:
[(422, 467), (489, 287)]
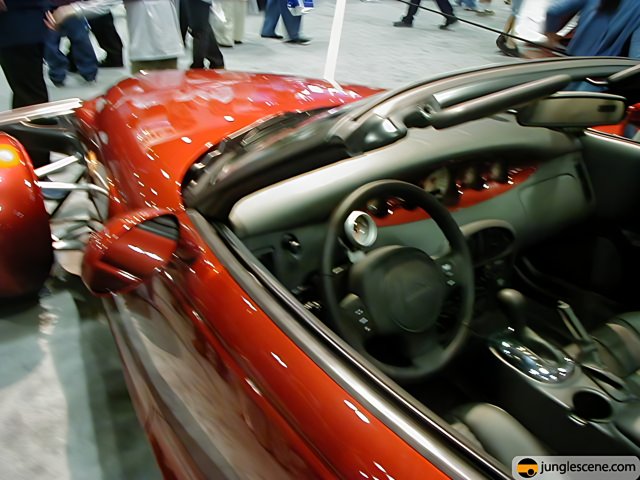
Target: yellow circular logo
[(527, 468), (9, 156)]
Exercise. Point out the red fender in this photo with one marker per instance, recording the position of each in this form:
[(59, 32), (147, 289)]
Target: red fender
[(26, 252)]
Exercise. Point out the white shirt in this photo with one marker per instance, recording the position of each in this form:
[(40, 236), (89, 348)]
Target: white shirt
[(154, 28)]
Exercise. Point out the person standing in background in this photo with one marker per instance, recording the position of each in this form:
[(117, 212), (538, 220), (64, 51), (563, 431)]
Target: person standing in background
[(109, 40), (205, 45), (22, 50), (154, 31), (231, 31), (444, 6), (504, 42), (472, 6), (22, 36), (76, 29), (605, 27), (273, 11)]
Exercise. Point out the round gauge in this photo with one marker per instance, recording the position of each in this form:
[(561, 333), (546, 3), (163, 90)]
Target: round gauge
[(360, 229), (378, 207), (438, 182), (498, 172), (469, 177)]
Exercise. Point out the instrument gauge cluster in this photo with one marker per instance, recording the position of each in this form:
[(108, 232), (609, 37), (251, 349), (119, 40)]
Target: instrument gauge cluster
[(438, 183)]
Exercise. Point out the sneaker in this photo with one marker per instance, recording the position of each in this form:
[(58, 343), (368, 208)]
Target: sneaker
[(485, 12), (402, 23), (299, 40), (275, 35)]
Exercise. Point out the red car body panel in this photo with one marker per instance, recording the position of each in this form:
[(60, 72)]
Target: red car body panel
[(211, 374), (26, 254), (152, 128)]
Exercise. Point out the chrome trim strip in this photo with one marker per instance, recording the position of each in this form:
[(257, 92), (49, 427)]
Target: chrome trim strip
[(42, 110), (56, 166), (68, 187)]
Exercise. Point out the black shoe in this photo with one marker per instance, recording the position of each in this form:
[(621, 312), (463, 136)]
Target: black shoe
[(299, 40), (402, 23), (107, 63), (275, 35), (238, 42), (501, 43), (448, 22)]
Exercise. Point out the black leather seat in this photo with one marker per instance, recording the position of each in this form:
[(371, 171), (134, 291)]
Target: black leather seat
[(496, 432), (618, 344)]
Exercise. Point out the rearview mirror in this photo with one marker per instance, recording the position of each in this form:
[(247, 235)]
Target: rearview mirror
[(573, 110), (129, 251)]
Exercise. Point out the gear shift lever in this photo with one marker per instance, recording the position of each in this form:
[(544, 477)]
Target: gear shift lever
[(514, 304), (525, 349)]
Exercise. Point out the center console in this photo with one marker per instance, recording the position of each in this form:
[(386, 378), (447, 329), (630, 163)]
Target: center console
[(575, 405)]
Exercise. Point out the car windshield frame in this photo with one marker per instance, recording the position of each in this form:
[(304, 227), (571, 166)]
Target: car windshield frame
[(343, 132)]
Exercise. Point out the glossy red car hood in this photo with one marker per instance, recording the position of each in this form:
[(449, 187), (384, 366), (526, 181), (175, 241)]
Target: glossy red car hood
[(154, 126)]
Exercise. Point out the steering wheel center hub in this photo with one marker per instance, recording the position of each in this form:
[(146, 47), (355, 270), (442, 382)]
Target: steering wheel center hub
[(402, 286)]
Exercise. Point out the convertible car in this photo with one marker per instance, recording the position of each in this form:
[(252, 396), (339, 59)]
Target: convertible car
[(313, 281)]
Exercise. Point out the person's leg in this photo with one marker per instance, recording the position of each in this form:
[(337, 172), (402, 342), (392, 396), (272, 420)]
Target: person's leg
[(445, 7), (506, 44), (84, 56), (214, 55), (291, 23), (407, 20), (22, 66), (271, 17), (468, 4), (183, 15), (56, 60), (109, 40), (411, 11), (239, 15), (200, 30)]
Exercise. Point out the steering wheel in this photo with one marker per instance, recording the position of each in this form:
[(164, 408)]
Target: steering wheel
[(396, 293)]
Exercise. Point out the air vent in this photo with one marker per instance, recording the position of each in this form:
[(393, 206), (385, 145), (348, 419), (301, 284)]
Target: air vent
[(490, 243)]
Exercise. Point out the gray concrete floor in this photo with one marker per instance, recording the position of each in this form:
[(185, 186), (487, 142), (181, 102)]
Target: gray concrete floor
[(64, 408)]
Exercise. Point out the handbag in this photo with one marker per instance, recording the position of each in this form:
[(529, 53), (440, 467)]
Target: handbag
[(299, 7)]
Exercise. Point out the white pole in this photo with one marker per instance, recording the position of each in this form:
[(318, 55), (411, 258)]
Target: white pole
[(334, 41)]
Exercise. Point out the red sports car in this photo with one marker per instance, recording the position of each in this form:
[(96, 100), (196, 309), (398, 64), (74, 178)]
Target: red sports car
[(313, 281)]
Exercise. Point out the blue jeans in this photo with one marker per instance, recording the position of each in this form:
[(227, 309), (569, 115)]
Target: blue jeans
[(468, 3), (272, 13), (77, 30)]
